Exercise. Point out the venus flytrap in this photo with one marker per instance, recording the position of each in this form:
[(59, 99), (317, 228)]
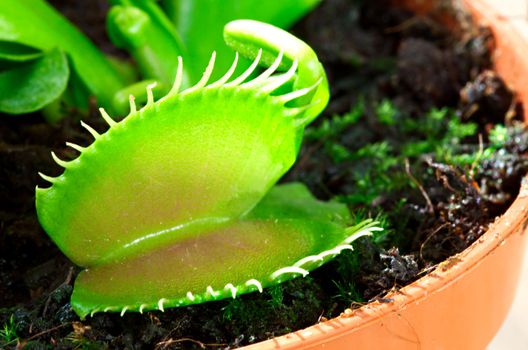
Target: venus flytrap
[(174, 205)]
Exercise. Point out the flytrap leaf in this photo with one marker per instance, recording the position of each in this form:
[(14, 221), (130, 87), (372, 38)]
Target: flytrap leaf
[(13, 51), (166, 207), (31, 85), (249, 254), (186, 163)]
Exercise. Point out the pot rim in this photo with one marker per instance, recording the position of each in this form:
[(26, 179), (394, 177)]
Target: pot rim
[(454, 268)]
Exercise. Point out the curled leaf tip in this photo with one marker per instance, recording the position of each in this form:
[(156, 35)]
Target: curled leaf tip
[(248, 36)]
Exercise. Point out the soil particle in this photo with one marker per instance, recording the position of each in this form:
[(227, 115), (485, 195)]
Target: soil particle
[(499, 181), (383, 270), (460, 217), (428, 72), (486, 98)]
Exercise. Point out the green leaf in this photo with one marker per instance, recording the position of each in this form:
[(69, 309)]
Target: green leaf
[(295, 200), (191, 167), (34, 84), (288, 234), (37, 24), (13, 51)]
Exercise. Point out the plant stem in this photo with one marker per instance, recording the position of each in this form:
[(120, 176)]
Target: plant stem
[(142, 28)]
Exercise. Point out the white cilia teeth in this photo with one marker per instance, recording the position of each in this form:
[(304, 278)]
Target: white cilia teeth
[(211, 292), (48, 178), (367, 231), (330, 253), (132, 100), (358, 235), (342, 247), (160, 304), (279, 80), (232, 288), (226, 76), (93, 312), (289, 269), (107, 117), (298, 93), (91, 130), (75, 146), (190, 296), (247, 73), (141, 308), (254, 282), (150, 95), (309, 259), (59, 161), (206, 75), (178, 80), (267, 73), (123, 311)]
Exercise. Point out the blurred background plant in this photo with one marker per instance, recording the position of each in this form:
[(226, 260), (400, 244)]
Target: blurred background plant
[(47, 64)]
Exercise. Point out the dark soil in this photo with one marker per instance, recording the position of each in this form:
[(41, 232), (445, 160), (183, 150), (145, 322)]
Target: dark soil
[(409, 137)]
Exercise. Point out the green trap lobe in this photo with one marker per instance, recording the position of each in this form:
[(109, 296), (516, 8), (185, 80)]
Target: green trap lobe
[(233, 254), (185, 163)]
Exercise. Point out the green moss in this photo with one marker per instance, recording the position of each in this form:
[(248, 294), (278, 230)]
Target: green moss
[(372, 148), (498, 135), (348, 269), (386, 112), (8, 333), (331, 128)]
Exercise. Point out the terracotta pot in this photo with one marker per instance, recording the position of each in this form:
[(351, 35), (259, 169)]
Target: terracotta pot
[(461, 304)]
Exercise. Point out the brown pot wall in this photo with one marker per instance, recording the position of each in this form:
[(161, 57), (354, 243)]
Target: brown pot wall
[(461, 304)]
